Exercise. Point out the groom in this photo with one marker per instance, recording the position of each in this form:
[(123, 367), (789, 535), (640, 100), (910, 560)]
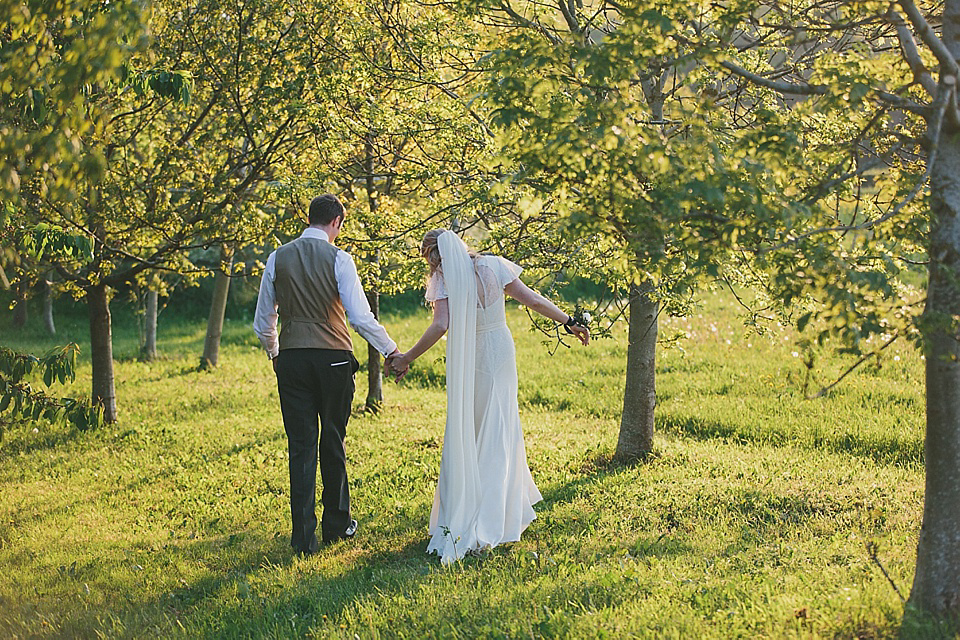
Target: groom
[(313, 286)]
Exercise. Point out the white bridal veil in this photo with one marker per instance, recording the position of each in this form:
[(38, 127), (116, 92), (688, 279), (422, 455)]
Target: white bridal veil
[(458, 491)]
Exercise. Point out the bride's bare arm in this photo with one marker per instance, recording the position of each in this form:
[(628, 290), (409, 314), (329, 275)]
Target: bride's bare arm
[(434, 332), (536, 302)]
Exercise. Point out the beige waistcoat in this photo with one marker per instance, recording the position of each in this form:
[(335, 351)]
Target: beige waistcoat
[(311, 313)]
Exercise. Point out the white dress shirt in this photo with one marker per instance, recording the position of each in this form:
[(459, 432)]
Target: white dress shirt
[(351, 295)]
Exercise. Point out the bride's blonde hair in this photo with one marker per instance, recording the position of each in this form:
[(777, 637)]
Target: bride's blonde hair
[(431, 251)]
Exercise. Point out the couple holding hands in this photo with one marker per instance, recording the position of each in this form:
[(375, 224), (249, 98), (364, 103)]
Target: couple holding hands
[(485, 493)]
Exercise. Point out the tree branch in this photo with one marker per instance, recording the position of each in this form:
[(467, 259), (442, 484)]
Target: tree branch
[(947, 62), (782, 87), (569, 12), (196, 123), (945, 96), (824, 390), (824, 187), (507, 8), (911, 54), (894, 100)]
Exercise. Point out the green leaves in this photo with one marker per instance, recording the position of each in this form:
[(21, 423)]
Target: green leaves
[(176, 85), (53, 57), (47, 242), (782, 175), (57, 365), (20, 402)]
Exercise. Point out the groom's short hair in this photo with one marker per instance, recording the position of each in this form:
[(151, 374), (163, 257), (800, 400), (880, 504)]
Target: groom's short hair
[(325, 209)]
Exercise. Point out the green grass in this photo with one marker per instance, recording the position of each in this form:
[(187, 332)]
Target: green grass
[(755, 517)]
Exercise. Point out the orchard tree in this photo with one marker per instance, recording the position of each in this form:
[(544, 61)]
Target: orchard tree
[(887, 74), (200, 124), (814, 144), (52, 56), (398, 142), (602, 127), (262, 73)]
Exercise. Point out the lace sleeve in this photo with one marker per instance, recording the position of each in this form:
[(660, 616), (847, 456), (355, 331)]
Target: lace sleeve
[(507, 271), (436, 289)]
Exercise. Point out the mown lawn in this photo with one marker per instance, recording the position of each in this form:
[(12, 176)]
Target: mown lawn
[(761, 514)]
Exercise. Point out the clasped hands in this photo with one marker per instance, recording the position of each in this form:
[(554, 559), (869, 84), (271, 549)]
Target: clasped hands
[(398, 365)]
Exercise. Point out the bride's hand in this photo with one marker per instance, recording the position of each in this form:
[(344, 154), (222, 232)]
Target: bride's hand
[(399, 365), (582, 333)]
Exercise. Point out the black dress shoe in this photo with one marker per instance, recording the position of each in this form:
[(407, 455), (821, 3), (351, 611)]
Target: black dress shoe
[(348, 533)]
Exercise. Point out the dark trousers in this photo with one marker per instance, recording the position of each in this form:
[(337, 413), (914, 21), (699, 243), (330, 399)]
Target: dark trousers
[(316, 384)]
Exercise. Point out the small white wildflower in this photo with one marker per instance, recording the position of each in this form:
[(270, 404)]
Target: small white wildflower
[(896, 358), (796, 355)]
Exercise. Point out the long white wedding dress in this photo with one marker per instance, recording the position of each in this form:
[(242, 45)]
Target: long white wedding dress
[(485, 493)]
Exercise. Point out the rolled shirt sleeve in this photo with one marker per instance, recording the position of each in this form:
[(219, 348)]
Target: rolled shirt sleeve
[(356, 306)]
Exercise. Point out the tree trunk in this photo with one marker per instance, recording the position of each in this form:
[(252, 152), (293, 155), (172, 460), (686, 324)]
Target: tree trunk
[(639, 394), (101, 351), (20, 315), (936, 584), (374, 367), (48, 307), (149, 349), (218, 309), (640, 389)]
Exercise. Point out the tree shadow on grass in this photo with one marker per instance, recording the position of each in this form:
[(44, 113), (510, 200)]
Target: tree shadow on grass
[(257, 584), (885, 451), (591, 471), (18, 519), (30, 444), (551, 530), (245, 577), (754, 514), (250, 583)]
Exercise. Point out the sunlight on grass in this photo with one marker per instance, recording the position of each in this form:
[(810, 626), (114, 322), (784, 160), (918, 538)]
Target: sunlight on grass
[(754, 518)]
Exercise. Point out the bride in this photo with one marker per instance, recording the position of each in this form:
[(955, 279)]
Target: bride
[(485, 493)]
